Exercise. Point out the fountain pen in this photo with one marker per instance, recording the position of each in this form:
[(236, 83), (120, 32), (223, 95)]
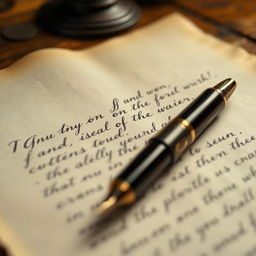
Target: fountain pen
[(165, 148)]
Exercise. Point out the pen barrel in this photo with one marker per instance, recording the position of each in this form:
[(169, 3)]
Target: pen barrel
[(204, 109), (146, 167), (183, 130), (168, 145)]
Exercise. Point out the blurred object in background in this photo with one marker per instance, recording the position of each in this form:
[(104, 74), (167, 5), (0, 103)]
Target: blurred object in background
[(154, 1), (87, 18), (20, 32), (3, 251), (6, 4)]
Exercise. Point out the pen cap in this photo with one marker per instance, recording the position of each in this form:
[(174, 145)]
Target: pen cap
[(203, 110), (182, 131), (176, 136)]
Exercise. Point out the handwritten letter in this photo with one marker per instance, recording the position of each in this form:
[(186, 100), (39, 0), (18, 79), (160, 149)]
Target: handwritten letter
[(72, 120)]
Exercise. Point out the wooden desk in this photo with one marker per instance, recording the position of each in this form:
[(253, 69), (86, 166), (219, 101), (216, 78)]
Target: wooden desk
[(231, 20)]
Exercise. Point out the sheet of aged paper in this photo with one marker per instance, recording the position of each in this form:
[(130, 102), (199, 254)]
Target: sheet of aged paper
[(71, 120)]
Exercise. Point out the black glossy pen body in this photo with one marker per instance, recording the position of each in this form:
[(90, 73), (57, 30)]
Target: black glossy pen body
[(182, 131), (169, 144), (147, 166), (203, 110)]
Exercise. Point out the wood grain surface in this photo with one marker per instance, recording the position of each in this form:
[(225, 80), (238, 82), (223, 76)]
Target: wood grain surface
[(231, 20)]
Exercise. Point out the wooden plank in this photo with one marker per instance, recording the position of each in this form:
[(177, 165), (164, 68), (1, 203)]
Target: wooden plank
[(237, 15)]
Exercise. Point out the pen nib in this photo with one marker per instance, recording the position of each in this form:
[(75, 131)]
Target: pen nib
[(107, 205)]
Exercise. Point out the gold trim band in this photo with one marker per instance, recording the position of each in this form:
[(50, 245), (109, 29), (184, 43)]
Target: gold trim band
[(222, 94), (189, 127)]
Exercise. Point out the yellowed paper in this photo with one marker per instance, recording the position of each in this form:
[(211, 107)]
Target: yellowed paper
[(70, 121)]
